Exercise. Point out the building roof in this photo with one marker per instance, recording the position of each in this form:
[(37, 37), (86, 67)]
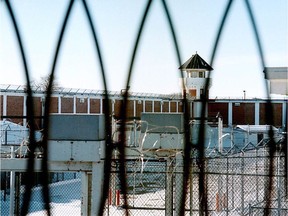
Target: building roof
[(196, 63), (277, 73)]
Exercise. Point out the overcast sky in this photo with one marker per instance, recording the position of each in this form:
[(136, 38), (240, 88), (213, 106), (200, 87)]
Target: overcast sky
[(237, 65)]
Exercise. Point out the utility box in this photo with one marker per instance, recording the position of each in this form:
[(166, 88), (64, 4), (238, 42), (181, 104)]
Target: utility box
[(77, 127), (84, 151), (162, 123)]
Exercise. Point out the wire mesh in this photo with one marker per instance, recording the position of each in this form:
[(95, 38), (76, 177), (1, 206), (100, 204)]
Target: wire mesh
[(65, 193), (234, 185)]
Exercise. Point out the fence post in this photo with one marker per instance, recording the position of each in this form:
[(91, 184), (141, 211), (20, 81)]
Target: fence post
[(226, 196), (169, 188), (17, 194), (91, 189), (278, 183), (12, 185), (191, 189), (257, 177), (84, 193), (113, 185), (242, 184), (179, 183), (97, 186), (233, 188), (219, 194)]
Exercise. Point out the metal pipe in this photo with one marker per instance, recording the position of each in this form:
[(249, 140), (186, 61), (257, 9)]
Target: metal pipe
[(12, 185), (169, 188)]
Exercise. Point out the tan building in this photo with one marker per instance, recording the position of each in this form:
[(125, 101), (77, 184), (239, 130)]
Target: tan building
[(277, 80), (75, 101)]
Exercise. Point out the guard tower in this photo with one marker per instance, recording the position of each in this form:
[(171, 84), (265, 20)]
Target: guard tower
[(197, 70)]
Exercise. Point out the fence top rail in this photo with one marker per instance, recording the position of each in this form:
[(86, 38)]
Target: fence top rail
[(93, 92), (79, 91)]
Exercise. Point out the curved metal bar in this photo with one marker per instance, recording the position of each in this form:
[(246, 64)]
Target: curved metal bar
[(173, 34), (269, 110), (123, 113), (124, 105), (30, 116), (188, 144), (44, 176), (219, 33), (109, 144), (268, 113), (202, 179)]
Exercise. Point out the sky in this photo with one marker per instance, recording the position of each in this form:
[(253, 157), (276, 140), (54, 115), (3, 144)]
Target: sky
[(237, 65)]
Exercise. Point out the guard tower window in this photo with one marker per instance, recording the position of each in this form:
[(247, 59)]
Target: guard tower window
[(194, 74), (201, 74), (202, 94)]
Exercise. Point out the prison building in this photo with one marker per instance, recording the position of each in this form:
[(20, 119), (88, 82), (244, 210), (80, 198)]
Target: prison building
[(77, 101)]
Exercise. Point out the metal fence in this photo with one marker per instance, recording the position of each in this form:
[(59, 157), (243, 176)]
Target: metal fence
[(234, 185), (223, 186), (65, 192)]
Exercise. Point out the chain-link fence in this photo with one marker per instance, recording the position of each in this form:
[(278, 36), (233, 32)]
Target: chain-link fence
[(146, 184), (65, 194), (235, 185)]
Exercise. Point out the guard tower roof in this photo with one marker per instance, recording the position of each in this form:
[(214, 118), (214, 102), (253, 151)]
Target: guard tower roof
[(196, 63)]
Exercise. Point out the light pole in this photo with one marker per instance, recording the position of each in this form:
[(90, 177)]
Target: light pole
[(244, 92)]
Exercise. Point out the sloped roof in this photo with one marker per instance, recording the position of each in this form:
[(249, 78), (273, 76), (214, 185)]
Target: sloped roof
[(196, 62), (277, 73)]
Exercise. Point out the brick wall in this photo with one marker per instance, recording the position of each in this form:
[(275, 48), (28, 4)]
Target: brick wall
[(173, 106), (1, 106), (67, 105), (81, 105), (54, 105), (276, 112), (222, 108), (130, 108), (148, 106), (139, 108), (38, 103), (157, 105), (15, 108), (165, 106), (243, 113), (95, 106)]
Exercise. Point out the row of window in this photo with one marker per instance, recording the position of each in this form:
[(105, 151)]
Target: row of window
[(196, 74)]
